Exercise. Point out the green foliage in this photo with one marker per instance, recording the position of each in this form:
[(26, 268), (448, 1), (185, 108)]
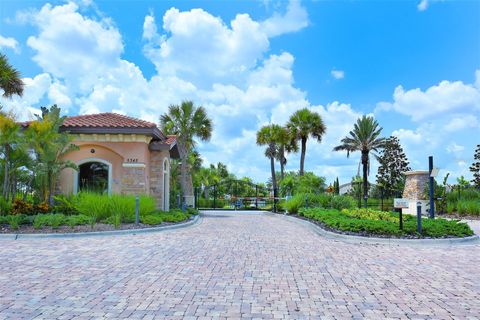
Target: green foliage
[(393, 165), (370, 214), (322, 200), (16, 220), (364, 224), (22, 207), (50, 220), (65, 204), (5, 206), (475, 168), (77, 220), (152, 219), (100, 207), (173, 216), (293, 183)]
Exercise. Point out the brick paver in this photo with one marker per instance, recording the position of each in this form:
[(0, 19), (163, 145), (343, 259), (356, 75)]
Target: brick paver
[(235, 266)]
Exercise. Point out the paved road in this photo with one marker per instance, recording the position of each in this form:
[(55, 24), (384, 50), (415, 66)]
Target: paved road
[(244, 265)]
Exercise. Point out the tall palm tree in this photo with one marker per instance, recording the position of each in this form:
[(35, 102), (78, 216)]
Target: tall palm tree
[(187, 122), (9, 136), (365, 137), (304, 124), (10, 81), (269, 136), (286, 144)]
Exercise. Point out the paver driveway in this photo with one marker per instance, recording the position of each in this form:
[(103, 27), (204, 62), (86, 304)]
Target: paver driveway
[(243, 265)]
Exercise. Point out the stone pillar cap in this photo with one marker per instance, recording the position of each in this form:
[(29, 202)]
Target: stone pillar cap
[(418, 172)]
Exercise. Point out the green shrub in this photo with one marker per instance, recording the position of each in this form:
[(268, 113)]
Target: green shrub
[(51, 220), (342, 202), (295, 203), (369, 222), (173, 216), (5, 207), (77, 220), (152, 219), (192, 211), (65, 204), (370, 214), (16, 220), (100, 207)]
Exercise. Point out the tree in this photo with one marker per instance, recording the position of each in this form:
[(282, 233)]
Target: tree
[(365, 138), (286, 144), (337, 187), (9, 138), (302, 125), (393, 165), (269, 136), (293, 183), (475, 168), (187, 122), (10, 81), (50, 146)]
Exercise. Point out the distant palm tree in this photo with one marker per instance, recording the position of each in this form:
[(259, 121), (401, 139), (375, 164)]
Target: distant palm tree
[(286, 144), (365, 138), (9, 136), (187, 122), (10, 81), (269, 136), (303, 124)]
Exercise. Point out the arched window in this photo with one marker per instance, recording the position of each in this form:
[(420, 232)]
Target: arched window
[(93, 175)]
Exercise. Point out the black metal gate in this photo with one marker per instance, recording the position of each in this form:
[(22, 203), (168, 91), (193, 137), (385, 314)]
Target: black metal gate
[(234, 195)]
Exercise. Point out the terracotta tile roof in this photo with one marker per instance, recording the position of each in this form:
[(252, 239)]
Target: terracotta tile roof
[(106, 120), (171, 139)]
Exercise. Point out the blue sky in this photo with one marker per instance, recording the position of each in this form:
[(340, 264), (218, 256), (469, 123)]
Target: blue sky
[(413, 65)]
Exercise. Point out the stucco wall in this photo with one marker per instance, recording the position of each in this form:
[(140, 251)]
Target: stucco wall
[(118, 154)]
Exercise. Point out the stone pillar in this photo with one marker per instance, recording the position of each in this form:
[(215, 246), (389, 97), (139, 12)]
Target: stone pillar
[(157, 191), (414, 191)]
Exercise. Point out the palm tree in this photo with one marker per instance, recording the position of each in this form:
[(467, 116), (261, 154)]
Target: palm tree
[(286, 144), (10, 81), (365, 137), (187, 122), (303, 124), (9, 136), (269, 136), (50, 146)]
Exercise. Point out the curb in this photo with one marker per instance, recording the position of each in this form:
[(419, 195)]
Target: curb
[(15, 236), (471, 240)]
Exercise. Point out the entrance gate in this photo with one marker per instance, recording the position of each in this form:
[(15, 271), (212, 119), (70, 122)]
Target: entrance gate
[(235, 195)]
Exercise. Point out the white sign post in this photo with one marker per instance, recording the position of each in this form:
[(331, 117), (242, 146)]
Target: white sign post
[(400, 203)]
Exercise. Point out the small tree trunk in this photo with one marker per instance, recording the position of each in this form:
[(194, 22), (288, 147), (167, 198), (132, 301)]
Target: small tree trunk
[(6, 177), (282, 162), (50, 188), (302, 156), (365, 177), (14, 186)]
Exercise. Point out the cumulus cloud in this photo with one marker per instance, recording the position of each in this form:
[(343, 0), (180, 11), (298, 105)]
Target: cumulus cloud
[(436, 101), (454, 148), (337, 74), (422, 5), (294, 19), (9, 43)]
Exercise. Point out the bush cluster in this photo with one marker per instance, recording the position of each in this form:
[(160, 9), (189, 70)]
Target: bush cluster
[(88, 208), (376, 223), (321, 200)]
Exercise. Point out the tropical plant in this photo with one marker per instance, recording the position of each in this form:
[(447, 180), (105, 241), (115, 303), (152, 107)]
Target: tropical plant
[(268, 136), (187, 122), (286, 144), (10, 80), (302, 125), (293, 183), (365, 138), (9, 139), (393, 165), (475, 168), (50, 146)]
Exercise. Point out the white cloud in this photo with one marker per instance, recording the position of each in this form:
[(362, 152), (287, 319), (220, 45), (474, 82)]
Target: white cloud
[(73, 47), (337, 74), (461, 122), (10, 43), (422, 5), (454, 148), (436, 101), (294, 19)]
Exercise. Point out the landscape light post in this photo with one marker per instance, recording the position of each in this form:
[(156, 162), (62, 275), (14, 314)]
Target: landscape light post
[(137, 206), (419, 217), (432, 174)]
